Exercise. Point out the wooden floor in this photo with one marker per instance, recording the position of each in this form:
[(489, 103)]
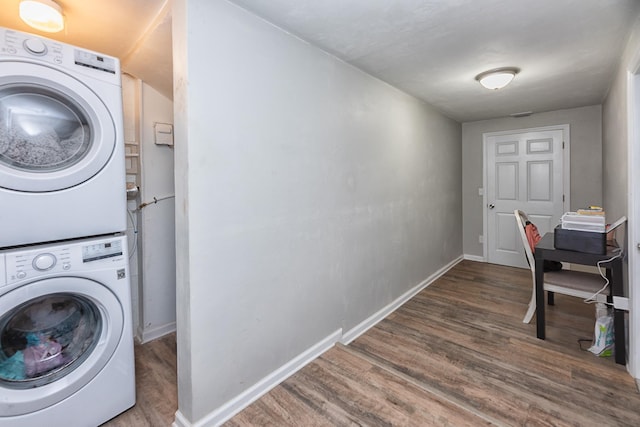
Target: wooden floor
[(156, 386), (456, 354)]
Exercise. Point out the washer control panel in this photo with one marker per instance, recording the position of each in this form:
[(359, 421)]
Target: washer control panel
[(33, 262)]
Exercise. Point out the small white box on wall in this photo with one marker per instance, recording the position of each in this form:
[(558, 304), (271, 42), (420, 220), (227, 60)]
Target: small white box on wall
[(163, 134)]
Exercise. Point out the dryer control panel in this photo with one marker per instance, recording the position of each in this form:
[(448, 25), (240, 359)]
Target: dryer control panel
[(16, 44)]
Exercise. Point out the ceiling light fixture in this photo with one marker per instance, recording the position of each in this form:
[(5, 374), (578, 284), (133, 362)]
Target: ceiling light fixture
[(43, 15), (521, 114), (497, 78)]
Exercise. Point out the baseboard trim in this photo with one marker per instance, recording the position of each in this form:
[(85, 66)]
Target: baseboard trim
[(371, 321), (474, 258), (231, 408), (146, 335), (235, 405), (180, 420)]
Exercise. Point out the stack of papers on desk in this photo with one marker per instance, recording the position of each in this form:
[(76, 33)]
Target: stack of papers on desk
[(584, 222)]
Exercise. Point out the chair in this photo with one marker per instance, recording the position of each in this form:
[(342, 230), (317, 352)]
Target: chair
[(566, 282)]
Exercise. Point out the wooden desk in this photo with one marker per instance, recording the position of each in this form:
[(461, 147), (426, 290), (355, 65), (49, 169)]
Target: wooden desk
[(545, 250)]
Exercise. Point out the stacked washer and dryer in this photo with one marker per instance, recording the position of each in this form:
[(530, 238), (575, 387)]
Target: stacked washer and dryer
[(66, 344)]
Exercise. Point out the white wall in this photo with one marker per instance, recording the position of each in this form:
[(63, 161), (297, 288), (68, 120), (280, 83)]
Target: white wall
[(131, 93), (309, 196), (157, 221), (616, 145), (615, 138), (586, 164)]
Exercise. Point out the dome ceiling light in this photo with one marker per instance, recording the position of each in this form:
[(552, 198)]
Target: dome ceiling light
[(497, 78), (43, 15)]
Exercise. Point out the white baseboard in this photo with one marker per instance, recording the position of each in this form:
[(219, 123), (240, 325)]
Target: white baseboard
[(146, 335), (371, 321), (474, 258), (231, 408), (235, 405), (180, 420)]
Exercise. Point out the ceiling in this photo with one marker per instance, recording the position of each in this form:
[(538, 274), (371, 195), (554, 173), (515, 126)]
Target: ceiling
[(567, 50), (136, 31)]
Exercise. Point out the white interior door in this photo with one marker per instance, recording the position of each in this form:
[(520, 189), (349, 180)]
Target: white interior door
[(524, 171)]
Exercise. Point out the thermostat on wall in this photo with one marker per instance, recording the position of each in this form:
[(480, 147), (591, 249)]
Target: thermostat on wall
[(164, 134)]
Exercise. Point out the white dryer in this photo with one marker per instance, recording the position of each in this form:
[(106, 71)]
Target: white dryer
[(66, 344), (62, 171)]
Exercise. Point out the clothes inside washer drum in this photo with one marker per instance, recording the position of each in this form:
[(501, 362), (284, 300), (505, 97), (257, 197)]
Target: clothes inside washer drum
[(41, 358)]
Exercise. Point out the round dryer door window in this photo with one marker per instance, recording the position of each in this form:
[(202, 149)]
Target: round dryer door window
[(55, 132)]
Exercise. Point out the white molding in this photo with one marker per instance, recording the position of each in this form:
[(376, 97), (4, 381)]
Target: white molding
[(146, 335), (180, 420), (476, 258), (371, 321), (253, 393), (633, 214), (235, 405), (485, 215)]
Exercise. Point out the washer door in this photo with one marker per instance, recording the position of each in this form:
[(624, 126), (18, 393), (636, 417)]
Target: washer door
[(55, 132), (56, 335)]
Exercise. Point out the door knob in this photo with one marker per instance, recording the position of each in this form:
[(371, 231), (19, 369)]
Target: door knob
[(491, 206)]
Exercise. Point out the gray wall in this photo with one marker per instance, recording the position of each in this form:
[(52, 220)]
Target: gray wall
[(614, 124), (309, 196), (586, 163)]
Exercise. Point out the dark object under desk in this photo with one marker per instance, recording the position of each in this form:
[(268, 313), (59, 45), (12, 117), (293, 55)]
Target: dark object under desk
[(545, 250)]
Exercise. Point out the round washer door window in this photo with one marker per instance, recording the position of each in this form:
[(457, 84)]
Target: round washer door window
[(56, 335), (45, 338), (55, 133)]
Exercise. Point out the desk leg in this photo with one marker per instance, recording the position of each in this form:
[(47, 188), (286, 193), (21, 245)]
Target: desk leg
[(618, 315), (540, 298)]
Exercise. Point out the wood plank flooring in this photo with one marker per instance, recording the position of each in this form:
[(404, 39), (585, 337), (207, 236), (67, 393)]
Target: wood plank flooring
[(156, 386), (457, 354)]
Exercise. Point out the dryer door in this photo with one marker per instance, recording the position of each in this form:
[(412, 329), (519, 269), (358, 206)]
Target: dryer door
[(55, 132), (56, 335)]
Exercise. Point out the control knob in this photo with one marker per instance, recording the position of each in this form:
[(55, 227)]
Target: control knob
[(35, 46), (44, 262)]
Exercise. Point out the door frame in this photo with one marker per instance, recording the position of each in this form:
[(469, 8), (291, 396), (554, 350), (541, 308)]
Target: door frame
[(566, 173), (633, 213)]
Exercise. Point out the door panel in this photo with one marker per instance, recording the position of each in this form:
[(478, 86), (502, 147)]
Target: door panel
[(508, 241), (540, 181), (524, 171), (507, 181)]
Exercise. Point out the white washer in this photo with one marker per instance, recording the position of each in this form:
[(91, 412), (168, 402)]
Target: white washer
[(66, 343), (62, 171)]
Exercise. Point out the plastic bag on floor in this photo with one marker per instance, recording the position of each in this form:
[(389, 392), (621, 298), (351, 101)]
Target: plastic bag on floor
[(603, 337)]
